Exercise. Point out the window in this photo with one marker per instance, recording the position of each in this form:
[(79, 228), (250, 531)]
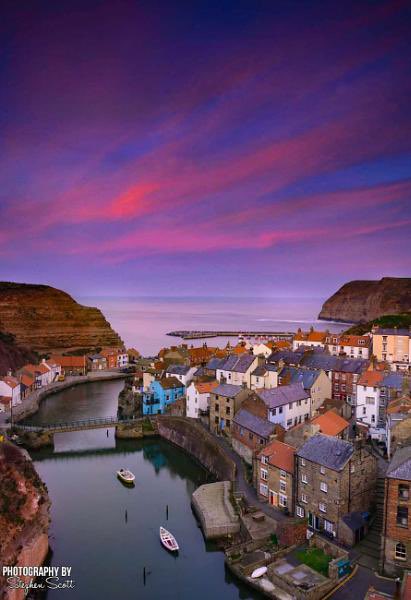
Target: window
[(290, 405), (227, 410), (322, 470), (216, 407), (280, 410), (250, 435), (403, 491), (264, 460), (369, 400), (328, 526), (323, 487), (302, 462), (300, 512), (304, 498), (289, 422), (242, 432), (322, 507), (261, 442), (282, 500), (352, 469), (283, 474), (364, 410), (263, 489), (402, 516), (264, 474), (303, 477), (282, 486), (273, 411), (216, 420), (400, 551)]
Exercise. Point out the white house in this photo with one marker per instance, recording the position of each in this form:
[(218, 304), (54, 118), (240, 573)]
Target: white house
[(264, 376), (309, 339), (287, 405), (10, 388), (262, 350), (183, 373), (54, 368), (198, 398), (354, 346), (237, 368), (122, 359)]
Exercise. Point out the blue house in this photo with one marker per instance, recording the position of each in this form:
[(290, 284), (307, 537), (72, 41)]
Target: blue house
[(161, 394)]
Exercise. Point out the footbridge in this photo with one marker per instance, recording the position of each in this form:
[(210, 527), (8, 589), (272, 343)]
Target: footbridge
[(95, 423)]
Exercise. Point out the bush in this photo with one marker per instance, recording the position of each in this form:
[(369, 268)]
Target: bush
[(316, 559)]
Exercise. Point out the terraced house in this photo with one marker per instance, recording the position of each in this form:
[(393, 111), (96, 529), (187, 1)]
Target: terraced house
[(287, 405), (274, 475), (237, 369), (353, 346), (396, 538), (334, 481), (225, 401)]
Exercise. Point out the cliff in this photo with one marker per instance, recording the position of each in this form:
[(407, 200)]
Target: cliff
[(24, 515), (362, 301), (13, 356), (46, 319)]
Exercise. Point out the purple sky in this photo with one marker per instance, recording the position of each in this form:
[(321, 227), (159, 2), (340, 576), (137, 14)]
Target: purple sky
[(204, 148)]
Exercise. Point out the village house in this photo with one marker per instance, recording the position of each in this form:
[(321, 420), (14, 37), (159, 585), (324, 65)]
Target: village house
[(314, 381), (339, 406), (198, 398), (225, 401), (27, 384), (116, 358), (10, 391), (175, 355), (286, 405), (330, 423), (55, 369), (283, 357), (263, 349), (133, 355), (183, 373), (392, 345), (250, 433), (212, 365), (71, 365), (398, 428), (274, 475), (334, 480), (33, 372), (237, 369), (161, 394), (353, 346), (375, 390), (96, 362), (345, 376), (264, 376), (309, 339), (396, 539)]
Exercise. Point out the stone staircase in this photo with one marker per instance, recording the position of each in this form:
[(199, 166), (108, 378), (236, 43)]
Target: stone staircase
[(369, 548)]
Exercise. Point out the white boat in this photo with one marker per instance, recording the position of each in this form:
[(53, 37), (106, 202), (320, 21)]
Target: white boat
[(258, 572), (126, 476), (168, 540)]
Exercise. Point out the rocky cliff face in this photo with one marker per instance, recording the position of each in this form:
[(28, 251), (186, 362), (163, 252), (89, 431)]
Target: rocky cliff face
[(45, 319), (13, 356), (362, 301), (24, 516)]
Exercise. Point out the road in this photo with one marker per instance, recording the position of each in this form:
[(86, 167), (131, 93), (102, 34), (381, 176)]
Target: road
[(357, 586)]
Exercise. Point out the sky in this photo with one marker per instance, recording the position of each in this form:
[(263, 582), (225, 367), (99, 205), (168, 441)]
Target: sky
[(204, 147)]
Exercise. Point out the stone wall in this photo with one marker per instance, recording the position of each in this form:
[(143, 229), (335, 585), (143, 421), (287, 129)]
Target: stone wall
[(199, 443), (392, 532)]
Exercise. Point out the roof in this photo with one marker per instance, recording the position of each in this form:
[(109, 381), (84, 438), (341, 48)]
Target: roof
[(96, 357), (393, 380), (310, 336), (260, 371), (205, 387), (228, 390), (178, 369), (170, 383), (371, 378), (391, 331), (238, 364), (400, 465), (280, 455), (354, 520), (214, 363), (307, 377), (5, 400), (330, 423), (322, 360), (282, 395), (43, 368), (10, 381), (257, 425), (328, 451), (68, 361), (289, 357), (27, 380), (362, 341)]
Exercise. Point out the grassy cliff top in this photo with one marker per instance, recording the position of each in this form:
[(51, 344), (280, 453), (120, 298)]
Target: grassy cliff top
[(402, 321)]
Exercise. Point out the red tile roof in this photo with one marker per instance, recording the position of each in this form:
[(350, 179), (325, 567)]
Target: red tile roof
[(330, 423), (206, 387), (280, 455), (371, 378), (69, 361)]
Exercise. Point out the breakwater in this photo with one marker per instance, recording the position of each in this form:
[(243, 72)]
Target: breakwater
[(198, 334)]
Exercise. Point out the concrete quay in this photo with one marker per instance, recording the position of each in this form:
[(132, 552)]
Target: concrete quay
[(212, 505)]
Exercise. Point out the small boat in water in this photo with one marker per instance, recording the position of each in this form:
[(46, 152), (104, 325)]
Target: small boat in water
[(258, 572), (126, 476), (168, 540)]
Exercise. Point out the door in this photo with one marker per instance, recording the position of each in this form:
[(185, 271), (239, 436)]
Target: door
[(273, 498)]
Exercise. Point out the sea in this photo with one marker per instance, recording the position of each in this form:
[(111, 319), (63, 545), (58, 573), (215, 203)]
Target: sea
[(143, 322)]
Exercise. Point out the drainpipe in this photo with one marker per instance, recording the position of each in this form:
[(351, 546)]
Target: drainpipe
[(385, 521)]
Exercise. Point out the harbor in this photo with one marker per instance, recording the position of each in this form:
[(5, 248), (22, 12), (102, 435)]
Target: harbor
[(245, 334)]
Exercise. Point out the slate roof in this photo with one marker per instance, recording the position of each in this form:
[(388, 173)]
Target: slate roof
[(328, 451), (355, 520), (237, 363), (392, 331), (228, 390), (400, 465), (214, 363), (288, 356), (257, 425), (178, 369), (282, 395), (306, 377), (170, 383), (393, 380), (322, 360), (260, 371)]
